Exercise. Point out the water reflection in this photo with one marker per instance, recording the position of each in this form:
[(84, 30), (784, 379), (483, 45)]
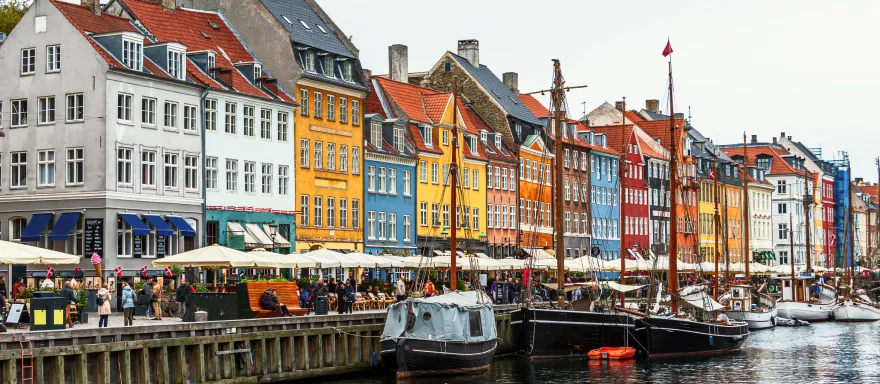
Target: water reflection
[(820, 353)]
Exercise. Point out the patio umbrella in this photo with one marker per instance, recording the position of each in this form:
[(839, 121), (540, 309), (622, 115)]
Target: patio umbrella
[(369, 261), (331, 259), (293, 260), (396, 261), (15, 253), (215, 256)]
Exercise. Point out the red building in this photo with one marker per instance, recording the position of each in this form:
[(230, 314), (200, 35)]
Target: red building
[(828, 219)]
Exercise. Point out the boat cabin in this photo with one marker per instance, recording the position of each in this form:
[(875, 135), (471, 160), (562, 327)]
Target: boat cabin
[(801, 288), (740, 297)]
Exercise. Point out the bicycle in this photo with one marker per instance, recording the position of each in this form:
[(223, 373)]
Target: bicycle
[(537, 300), (169, 308)]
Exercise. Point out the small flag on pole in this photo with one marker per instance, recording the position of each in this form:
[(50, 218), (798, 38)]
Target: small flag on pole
[(711, 175), (118, 271), (144, 271), (668, 49), (49, 272), (77, 271), (168, 272)]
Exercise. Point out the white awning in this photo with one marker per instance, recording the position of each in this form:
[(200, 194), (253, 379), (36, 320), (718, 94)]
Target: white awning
[(257, 233), (280, 241), (703, 302), (249, 240), (622, 287)]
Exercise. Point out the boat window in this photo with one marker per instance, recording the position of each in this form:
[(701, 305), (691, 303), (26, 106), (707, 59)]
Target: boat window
[(476, 323), (426, 316), (410, 320)]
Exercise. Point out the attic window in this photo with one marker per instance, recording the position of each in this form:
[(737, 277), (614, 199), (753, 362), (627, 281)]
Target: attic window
[(498, 140), (132, 54), (286, 19), (205, 35), (305, 25), (473, 145), (212, 62), (483, 136), (258, 72), (321, 28), (176, 65), (513, 100), (347, 73), (214, 25), (329, 66)]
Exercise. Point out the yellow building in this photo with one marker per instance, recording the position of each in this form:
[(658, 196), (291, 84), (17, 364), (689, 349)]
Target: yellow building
[(706, 210), (429, 116), (733, 203)]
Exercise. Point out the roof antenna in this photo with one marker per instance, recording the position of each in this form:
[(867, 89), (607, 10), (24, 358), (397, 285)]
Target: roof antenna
[(690, 119)]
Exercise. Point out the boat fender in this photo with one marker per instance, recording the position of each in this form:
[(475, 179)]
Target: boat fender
[(831, 315), (373, 360), (711, 341)]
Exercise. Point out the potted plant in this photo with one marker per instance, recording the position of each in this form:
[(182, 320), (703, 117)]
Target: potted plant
[(82, 298)]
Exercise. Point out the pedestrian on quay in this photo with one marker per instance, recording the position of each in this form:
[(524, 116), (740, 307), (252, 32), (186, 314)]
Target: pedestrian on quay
[(349, 297), (311, 301), (156, 300), (341, 299), (511, 291), (182, 293), (128, 299), (17, 288), (303, 297), (400, 292), (70, 299), (148, 290), (321, 291), (3, 291), (103, 301), (331, 286)]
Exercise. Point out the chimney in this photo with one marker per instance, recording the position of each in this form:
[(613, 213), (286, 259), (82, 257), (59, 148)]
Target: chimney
[(368, 73), (618, 105), (652, 105), (754, 139), (782, 134), (774, 141), (470, 50), (93, 5), (859, 180), (679, 115), (398, 63), (511, 80), (168, 5)]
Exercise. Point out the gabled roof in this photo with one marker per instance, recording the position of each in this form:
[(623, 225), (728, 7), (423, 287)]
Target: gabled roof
[(535, 106), (475, 125), (435, 105), (299, 12), (498, 90), (617, 136), (201, 31), (407, 97), (659, 129), (778, 165)]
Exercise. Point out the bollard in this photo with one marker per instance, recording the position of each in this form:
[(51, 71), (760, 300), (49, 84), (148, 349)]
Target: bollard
[(200, 316)]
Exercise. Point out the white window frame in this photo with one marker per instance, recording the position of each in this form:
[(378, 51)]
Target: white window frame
[(331, 156), (331, 212), (304, 208), (170, 165), (304, 152), (231, 175), (75, 107), (53, 58), (125, 166), (170, 114), (355, 213), (46, 168), (355, 160), (392, 181), (319, 105), (343, 158), (266, 179), (211, 115), (282, 126), (343, 110), (28, 61), (148, 168), (392, 227), (407, 228), (230, 118), (17, 168), (191, 172), (176, 64), (283, 180), (319, 155), (123, 108), (319, 221), (343, 212), (355, 112), (304, 102), (19, 116), (190, 122), (266, 124), (331, 107), (46, 110), (75, 165), (250, 177), (132, 54), (211, 173), (248, 118), (407, 188), (148, 111)]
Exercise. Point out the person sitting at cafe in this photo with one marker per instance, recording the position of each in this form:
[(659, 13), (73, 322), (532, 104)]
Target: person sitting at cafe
[(270, 301)]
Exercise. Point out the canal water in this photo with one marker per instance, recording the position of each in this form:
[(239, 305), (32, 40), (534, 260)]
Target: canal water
[(819, 353)]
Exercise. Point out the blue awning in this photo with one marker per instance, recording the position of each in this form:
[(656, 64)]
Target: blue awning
[(137, 225), (35, 227), (64, 226), (162, 228), (182, 226)]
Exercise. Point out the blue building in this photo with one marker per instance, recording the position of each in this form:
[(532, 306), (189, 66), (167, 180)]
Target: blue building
[(841, 215), (604, 187), (389, 188)]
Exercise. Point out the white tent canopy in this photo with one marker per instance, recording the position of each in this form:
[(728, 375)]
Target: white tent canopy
[(15, 253), (331, 259), (369, 261), (215, 256), (292, 260)]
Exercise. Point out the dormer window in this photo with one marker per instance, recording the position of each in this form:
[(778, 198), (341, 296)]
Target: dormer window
[(132, 54), (376, 134), (498, 140), (428, 135), (347, 73), (329, 65), (473, 144), (212, 63), (309, 61), (483, 136), (176, 64), (398, 138), (258, 72)]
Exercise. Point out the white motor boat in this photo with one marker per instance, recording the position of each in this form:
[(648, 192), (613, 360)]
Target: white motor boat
[(798, 302), (852, 311), (738, 301)]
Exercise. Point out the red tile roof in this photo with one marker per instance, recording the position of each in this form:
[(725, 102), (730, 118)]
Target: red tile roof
[(778, 165), (419, 142), (632, 116), (407, 97), (617, 135), (435, 105), (659, 129), (371, 102), (535, 106), (187, 27)]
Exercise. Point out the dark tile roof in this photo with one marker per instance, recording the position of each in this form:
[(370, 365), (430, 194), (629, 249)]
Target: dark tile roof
[(500, 92), (298, 11)]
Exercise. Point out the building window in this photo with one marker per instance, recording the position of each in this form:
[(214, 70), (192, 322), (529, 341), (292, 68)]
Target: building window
[(191, 172), (355, 112), (304, 153), (782, 208), (783, 231), (250, 177), (124, 238), (304, 102), (53, 58), (318, 207), (435, 215), (489, 210), (124, 166), (230, 118), (249, 121), (781, 187), (382, 228), (75, 107), (435, 173), (331, 156), (211, 115), (267, 179), (407, 188), (407, 228), (319, 104), (445, 215), (123, 108), (476, 225), (46, 106), (175, 65), (171, 165), (428, 135), (19, 113), (131, 54), (376, 134), (347, 72), (444, 137), (343, 158), (282, 126), (331, 107), (148, 111), (75, 166), (28, 61), (331, 212), (392, 226), (355, 160), (371, 225), (382, 180), (211, 173), (319, 155), (355, 213), (343, 212), (190, 114), (148, 169), (46, 168), (398, 138), (445, 174), (423, 214), (371, 178), (392, 181), (231, 175), (343, 110), (466, 180), (304, 210), (283, 179)]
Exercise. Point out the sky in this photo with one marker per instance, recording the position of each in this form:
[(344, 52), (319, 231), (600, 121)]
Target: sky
[(806, 68)]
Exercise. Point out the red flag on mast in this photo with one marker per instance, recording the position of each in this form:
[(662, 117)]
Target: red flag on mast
[(668, 49), (711, 175)]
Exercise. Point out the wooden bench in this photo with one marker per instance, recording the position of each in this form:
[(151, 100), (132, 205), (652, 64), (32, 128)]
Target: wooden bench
[(249, 299)]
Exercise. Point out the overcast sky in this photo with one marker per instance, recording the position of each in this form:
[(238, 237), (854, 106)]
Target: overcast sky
[(808, 68)]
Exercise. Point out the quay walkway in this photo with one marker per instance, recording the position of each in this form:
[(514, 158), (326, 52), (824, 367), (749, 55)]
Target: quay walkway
[(234, 351)]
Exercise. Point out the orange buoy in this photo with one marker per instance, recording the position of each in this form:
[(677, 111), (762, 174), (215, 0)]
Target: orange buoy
[(612, 353)]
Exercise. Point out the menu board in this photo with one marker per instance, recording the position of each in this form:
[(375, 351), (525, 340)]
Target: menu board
[(138, 246), (160, 246), (94, 237)]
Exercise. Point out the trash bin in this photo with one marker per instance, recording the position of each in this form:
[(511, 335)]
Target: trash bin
[(504, 294), (322, 305), (47, 313)]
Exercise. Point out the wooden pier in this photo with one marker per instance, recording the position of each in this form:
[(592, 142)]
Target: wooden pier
[(237, 351)]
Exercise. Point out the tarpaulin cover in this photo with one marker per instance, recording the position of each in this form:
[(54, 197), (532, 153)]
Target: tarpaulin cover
[(446, 317)]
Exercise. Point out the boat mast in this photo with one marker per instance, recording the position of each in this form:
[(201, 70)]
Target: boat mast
[(851, 268), (791, 256), (558, 94), (673, 203), (726, 236), (808, 203), (747, 217), (716, 220), (453, 170), (621, 173)]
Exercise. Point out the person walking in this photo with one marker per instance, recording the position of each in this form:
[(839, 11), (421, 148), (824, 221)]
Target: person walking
[(148, 290), (311, 304), (400, 292), (341, 299), (70, 298), (182, 293), (103, 301), (156, 301), (349, 297), (128, 299), (321, 294)]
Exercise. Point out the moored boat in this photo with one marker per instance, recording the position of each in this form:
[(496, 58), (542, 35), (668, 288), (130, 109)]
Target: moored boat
[(559, 333), (678, 337), (797, 301), (853, 311), (738, 303), (450, 333), (612, 353)]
